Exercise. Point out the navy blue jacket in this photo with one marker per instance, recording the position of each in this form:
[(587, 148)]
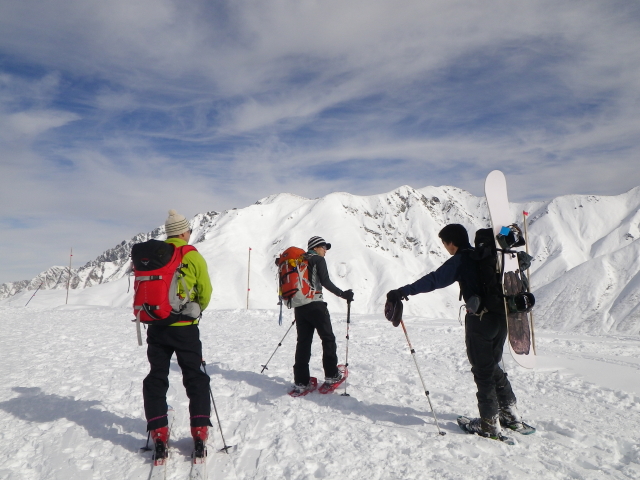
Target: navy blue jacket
[(459, 268)]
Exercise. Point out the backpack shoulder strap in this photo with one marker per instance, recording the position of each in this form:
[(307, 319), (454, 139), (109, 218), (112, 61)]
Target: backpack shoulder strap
[(182, 251), (186, 249)]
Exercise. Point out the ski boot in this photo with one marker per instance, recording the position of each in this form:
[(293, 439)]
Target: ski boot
[(160, 437)]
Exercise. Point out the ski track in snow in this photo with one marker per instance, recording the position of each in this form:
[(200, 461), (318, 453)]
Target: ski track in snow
[(71, 402)]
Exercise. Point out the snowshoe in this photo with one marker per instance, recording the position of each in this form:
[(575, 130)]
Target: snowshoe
[(332, 383), (520, 427), (509, 418), (485, 428)]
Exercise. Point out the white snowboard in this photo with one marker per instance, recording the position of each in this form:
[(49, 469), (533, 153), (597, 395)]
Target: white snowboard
[(519, 337)]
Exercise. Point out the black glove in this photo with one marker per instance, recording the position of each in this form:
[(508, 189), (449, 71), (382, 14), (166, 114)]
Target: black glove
[(393, 312), (395, 296), (348, 295)]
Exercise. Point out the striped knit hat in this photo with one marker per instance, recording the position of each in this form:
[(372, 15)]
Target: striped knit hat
[(317, 242), (176, 224)]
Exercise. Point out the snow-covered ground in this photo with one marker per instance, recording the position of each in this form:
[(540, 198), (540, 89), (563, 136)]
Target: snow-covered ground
[(71, 402)]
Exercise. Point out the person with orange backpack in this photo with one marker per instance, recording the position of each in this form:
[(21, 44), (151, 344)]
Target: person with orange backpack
[(172, 288), (314, 316)]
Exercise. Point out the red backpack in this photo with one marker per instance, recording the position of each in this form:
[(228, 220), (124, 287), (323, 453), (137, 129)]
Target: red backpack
[(157, 270), (293, 273)]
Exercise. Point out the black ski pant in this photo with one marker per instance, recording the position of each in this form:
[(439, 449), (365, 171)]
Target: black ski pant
[(309, 318), (485, 342), (185, 342)]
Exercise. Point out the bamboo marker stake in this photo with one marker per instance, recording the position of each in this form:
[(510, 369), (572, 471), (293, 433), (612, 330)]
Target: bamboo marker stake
[(69, 279), (248, 278)]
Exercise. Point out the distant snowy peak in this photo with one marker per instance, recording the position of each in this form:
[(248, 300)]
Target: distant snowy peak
[(585, 247), (279, 197), (110, 265)]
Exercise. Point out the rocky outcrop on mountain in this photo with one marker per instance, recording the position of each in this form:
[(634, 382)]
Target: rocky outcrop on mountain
[(585, 273), (110, 265)]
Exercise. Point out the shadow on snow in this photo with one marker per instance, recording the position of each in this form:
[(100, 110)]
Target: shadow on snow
[(35, 406), (275, 387)]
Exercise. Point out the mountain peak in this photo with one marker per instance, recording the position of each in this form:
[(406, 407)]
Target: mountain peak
[(585, 252)]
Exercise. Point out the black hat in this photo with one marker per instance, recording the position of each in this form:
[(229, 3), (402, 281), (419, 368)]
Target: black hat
[(317, 242)]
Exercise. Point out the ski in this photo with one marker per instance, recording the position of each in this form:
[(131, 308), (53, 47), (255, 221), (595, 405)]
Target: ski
[(519, 331), (331, 387), (463, 423), (314, 384), (161, 455)]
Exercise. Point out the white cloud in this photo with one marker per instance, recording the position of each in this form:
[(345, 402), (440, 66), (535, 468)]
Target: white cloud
[(113, 111), (32, 123)]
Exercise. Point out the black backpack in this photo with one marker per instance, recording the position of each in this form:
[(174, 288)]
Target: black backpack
[(489, 286), (489, 296)]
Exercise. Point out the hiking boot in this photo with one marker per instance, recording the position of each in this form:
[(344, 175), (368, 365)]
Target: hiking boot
[(509, 417), (485, 427), (335, 379), (299, 388)]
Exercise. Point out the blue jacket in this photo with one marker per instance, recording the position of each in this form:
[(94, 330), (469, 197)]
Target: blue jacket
[(459, 268)]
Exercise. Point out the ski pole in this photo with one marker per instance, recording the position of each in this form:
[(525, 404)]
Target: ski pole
[(146, 447), (346, 361), (526, 242), (426, 392), (226, 447), (264, 367), (34, 293)]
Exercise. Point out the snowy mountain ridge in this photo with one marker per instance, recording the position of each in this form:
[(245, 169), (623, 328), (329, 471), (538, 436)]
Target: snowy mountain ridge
[(586, 272)]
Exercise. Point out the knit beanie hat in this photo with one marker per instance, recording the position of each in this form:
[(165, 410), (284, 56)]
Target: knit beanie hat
[(176, 224), (317, 242)]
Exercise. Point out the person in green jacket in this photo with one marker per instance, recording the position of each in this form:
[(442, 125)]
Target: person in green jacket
[(183, 338)]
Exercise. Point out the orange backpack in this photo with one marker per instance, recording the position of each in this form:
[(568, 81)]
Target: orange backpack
[(293, 273)]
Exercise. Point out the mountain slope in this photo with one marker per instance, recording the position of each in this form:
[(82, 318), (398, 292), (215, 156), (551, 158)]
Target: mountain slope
[(585, 273)]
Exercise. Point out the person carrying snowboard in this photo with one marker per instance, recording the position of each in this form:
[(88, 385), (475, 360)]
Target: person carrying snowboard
[(183, 338), (484, 334), (315, 316)]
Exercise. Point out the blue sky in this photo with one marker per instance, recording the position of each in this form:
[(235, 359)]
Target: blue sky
[(112, 112)]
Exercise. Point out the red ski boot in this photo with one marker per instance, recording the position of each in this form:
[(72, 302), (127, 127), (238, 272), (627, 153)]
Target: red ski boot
[(160, 437)]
